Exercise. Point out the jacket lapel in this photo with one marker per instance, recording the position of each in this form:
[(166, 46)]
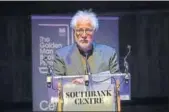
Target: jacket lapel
[(76, 65), (97, 59)]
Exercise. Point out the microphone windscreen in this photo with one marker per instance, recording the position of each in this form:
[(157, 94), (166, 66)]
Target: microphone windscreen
[(48, 79), (128, 46), (86, 77)]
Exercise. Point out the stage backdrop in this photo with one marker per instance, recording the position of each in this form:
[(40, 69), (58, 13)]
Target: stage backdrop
[(52, 32)]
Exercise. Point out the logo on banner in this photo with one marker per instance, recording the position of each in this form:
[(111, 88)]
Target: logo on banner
[(62, 31)]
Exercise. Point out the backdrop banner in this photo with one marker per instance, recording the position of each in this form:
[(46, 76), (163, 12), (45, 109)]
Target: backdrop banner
[(52, 32)]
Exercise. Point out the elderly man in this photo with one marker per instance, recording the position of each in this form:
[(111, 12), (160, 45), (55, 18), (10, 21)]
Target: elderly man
[(71, 60)]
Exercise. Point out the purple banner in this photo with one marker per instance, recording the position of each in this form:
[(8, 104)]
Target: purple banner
[(52, 32)]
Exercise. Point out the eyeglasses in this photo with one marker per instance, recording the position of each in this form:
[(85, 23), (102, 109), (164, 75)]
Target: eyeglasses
[(87, 30)]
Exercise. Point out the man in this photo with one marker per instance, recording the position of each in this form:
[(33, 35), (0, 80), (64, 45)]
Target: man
[(71, 60)]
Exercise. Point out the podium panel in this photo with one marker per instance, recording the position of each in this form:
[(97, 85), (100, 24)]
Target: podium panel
[(99, 95), (80, 97)]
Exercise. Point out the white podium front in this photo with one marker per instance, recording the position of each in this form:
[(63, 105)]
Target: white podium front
[(100, 95)]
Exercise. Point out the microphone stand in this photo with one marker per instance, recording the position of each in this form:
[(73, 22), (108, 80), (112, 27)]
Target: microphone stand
[(59, 85), (60, 97), (118, 101), (117, 82), (49, 74), (126, 65)]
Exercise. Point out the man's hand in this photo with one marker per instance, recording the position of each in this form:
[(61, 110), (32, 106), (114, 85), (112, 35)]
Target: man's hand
[(78, 81)]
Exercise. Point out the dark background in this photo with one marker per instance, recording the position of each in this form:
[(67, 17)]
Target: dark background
[(143, 25)]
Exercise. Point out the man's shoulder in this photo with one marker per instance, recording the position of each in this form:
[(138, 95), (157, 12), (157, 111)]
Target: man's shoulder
[(104, 48), (64, 50)]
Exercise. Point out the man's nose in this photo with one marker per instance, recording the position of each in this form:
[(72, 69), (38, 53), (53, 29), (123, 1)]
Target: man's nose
[(84, 35)]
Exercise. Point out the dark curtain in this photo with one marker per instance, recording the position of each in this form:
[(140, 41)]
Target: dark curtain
[(147, 33), (15, 59)]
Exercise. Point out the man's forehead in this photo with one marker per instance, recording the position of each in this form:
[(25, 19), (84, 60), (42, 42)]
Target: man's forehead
[(84, 23)]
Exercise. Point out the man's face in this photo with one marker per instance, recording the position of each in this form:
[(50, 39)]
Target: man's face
[(84, 34)]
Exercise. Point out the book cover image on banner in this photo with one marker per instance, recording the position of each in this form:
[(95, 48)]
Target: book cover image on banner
[(53, 32)]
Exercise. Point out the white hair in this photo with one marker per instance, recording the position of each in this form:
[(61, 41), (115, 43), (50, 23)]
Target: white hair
[(85, 14)]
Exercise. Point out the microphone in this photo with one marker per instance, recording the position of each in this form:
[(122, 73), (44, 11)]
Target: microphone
[(87, 71), (126, 65), (129, 47), (49, 76)]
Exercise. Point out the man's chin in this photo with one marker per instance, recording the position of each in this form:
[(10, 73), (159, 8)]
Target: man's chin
[(84, 47)]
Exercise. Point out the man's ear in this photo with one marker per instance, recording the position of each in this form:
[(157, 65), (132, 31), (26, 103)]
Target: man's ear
[(74, 35), (74, 31)]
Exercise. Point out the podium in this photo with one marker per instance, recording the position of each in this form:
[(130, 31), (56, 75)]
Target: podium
[(104, 92)]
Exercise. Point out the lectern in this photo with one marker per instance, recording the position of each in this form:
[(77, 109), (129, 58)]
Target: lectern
[(104, 92)]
